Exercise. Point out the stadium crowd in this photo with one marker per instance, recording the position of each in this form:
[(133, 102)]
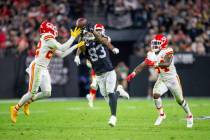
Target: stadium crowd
[(20, 20), (185, 22)]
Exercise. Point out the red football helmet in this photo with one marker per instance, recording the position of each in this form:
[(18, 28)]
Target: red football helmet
[(159, 42), (47, 27), (100, 28)]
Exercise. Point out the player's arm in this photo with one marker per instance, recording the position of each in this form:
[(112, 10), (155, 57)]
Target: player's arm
[(62, 47), (63, 54), (105, 41), (137, 70), (166, 62)]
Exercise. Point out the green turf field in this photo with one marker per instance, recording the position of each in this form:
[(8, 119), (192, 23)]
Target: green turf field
[(74, 120)]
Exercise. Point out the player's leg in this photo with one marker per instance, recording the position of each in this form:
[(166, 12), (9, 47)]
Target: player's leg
[(158, 90), (45, 86), (92, 93), (34, 83), (111, 82), (176, 89), (122, 92)]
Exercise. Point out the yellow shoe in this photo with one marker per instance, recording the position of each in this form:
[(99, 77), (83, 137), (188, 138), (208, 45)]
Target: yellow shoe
[(26, 109), (13, 114)]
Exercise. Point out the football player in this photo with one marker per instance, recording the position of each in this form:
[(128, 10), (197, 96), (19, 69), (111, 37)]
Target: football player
[(97, 52), (38, 72), (161, 58)]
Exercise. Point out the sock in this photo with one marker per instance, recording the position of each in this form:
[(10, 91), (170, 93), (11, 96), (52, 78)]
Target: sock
[(113, 103), (25, 98), (158, 104), (186, 108), (93, 93), (39, 95)]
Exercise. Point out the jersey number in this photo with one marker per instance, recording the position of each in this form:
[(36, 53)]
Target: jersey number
[(48, 55), (165, 69), (97, 53)]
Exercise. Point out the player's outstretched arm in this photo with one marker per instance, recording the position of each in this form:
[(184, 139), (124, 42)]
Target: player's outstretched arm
[(68, 43), (136, 71), (63, 54), (106, 42)]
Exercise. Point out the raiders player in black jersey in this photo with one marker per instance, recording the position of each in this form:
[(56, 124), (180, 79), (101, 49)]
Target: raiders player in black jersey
[(97, 52)]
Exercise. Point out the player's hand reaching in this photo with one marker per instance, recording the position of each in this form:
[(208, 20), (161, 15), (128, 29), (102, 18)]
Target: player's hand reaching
[(115, 50), (76, 32), (131, 76), (81, 44)]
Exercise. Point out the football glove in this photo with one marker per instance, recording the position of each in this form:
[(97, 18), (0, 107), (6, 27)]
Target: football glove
[(115, 50), (80, 44), (131, 76), (77, 60), (76, 32)]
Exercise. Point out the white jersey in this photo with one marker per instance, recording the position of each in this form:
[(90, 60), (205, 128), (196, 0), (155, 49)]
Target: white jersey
[(46, 48), (167, 72), (44, 51)]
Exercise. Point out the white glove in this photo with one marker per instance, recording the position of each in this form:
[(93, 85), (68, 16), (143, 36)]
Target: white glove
[(77, 60), (115, 50)]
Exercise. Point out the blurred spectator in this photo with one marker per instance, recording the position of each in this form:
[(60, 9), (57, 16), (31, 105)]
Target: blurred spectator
[(120, 17), (198, 46)]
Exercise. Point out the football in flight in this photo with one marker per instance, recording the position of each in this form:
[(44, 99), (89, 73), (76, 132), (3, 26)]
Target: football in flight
[(81, 22)]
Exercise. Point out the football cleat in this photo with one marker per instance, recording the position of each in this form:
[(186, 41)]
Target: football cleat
[(13, 114), (90, 100), (26, 109), (160, 118), (112, 121), (122, 92), (189, 121)]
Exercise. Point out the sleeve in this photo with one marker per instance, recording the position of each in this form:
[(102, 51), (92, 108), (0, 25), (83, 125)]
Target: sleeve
[(66, 52), (108, 38), (54, 44)]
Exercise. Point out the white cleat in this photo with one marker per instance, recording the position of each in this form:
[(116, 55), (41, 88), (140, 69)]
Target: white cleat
[(160, 119), (112, 121), (90, 100), (189, 121), (122, 92)]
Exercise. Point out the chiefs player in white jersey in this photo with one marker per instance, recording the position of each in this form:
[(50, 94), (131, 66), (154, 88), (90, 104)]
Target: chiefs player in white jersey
[(38, 72), (161, 58)]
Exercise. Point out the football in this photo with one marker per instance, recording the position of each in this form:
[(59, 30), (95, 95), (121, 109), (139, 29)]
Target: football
[(81, 22)]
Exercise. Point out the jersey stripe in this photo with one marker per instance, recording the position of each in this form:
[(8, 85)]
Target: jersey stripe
[(31, 77), (47, 37)]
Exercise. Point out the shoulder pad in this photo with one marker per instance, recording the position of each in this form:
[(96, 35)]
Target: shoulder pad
[(47, 37)]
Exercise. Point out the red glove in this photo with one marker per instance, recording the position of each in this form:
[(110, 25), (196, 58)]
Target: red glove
[(149, 62), (131, 76)]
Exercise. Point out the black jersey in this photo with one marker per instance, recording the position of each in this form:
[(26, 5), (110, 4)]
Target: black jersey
[(98, 55)]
